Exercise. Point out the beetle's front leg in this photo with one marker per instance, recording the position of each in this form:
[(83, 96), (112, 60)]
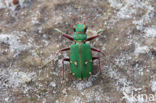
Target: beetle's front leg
[(63, 34), (98, 58), (91, 38), (68, 37), (65, 59), (64, 49), (94, 49)]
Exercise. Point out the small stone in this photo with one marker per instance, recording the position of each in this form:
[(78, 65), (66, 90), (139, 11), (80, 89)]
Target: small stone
[(53, 84), (67, 79), (76, 6), (64, 91), (6, 99), (16, 70), (153, 86)]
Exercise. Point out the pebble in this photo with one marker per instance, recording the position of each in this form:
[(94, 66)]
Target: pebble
[(53, 84)]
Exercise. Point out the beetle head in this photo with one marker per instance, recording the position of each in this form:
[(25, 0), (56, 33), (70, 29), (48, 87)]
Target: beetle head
[(80, 32)]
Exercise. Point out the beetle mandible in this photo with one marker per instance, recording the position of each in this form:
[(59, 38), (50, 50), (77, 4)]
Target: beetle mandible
[(81, 59)]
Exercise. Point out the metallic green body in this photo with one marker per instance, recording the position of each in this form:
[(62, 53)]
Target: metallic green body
[(81, 60)]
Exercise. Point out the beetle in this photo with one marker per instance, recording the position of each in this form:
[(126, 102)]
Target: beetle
[(81, 59)]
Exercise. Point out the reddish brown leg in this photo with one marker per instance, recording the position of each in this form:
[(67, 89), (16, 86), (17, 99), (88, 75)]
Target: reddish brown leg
[(94, 49), (68, 37), (65, 59), (91, 38), (64, 49), (94, 58)]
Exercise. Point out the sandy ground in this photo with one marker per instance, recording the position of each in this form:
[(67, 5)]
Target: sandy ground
[(30, 71)]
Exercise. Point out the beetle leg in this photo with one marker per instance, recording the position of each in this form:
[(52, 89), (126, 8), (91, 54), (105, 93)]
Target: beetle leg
[(68, 37), (94, 58), (94, 49), (65, 59), (91, 38), (64, 49)]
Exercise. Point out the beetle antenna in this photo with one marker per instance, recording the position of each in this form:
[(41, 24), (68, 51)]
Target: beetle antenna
[(74, 18), (86, 19)]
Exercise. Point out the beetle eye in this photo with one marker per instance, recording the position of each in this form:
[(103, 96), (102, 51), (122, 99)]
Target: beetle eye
[(85, 29), (74, 29)]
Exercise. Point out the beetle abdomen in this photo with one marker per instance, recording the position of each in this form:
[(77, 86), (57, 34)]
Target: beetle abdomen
[(81, 60)]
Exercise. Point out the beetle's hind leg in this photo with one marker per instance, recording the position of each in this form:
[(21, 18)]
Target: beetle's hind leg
[(98, 58), (64, 49), (65, 59)]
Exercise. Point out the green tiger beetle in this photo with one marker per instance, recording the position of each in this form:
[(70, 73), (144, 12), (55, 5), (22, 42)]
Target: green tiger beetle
[(81, 59)]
